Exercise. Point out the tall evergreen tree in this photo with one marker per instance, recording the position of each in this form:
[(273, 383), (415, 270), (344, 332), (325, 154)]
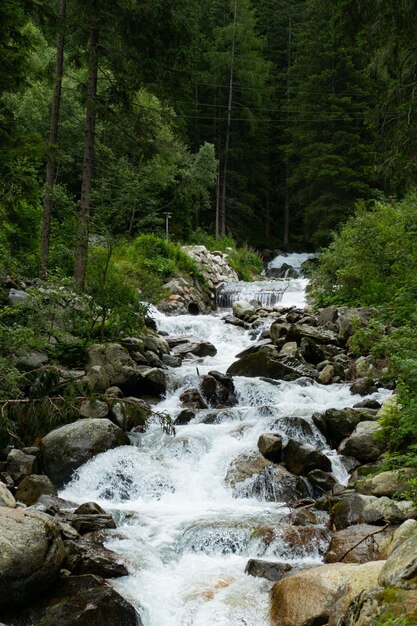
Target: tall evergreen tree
[(329, 148)]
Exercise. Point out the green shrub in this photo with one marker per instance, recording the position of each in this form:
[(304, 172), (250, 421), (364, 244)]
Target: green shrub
[(246, 262), (150, 261), (372, 262)]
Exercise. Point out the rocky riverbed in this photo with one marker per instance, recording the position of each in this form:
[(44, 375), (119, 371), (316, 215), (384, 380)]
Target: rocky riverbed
[(263, 508)]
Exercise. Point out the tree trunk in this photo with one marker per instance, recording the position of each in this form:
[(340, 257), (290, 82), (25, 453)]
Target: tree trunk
[(286, 235), (229, 121), (81, 252), (52, 141)]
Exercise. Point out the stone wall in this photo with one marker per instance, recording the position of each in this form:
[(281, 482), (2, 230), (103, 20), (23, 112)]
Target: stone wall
[(188, 295)]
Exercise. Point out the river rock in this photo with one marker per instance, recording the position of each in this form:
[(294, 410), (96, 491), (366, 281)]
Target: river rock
[(218, 389), (184, 417), (130, 413), (86, 557), (270, 446), (6, 497), (94, 409), (70, 446), (33, 487), (362, 444), (327, 315), (402, 533), (323, 481), (189, 344), (253, 476), (391, 483), (278, 331), (400, 569), (295, 427), (271, 570), (319, 335), (359, 543), (319, 588), (20, 464), (300, 459), (156, 344), (349, 510), (312, 352), (192, 399), (86, 600), (31, 553), (326, 375), (261, 364), (338, 424), (244, 310), (111, 365), (350, 319), (384, 510), (380, 606)]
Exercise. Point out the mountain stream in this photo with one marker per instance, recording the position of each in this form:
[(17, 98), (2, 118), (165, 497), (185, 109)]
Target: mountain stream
[(185, 534)]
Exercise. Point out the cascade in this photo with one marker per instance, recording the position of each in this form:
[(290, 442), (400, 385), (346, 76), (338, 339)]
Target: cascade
[(269, 293), (185, 533)]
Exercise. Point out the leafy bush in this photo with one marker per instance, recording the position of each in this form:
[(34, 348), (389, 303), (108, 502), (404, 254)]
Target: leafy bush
[(372, 262), (113, 303), (149, 261), (244, 260)]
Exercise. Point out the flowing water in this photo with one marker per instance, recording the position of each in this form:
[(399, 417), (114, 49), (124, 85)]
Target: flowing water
[(186, 535)]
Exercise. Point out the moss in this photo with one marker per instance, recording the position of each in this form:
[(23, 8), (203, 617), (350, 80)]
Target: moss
[(389, 594)]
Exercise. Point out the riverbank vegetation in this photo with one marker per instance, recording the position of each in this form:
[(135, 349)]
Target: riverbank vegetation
[(372, 262)]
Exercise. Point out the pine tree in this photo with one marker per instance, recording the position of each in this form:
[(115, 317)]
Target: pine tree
[(329, 148)]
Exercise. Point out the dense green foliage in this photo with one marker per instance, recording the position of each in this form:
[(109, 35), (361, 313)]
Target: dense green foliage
[(266, 120), (373, 262)]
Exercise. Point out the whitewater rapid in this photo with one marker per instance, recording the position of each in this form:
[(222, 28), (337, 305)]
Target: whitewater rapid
[(184, 533)]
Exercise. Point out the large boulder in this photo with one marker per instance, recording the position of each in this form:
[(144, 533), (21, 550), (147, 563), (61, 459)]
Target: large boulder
[(20, 464), (297, 332), (338, 424), (110, 365), (400, 569), (355, 508), (244, 310), (262, 364), (253, 476), (33, 487), (302, 458), (218, 389), (270, 446), (6, 497), (31, 553), (380, 606), (189, 344), (391, 483), (359, 543), (349, 510), (70, 446), (84, 600), (362, 443), (306, 598), (349, 320), (87, 557)]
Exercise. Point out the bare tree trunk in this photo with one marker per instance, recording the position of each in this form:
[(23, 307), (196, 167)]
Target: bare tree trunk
[(52, 141), (286, 235), (217, 225), (229, 120), (81, 252)]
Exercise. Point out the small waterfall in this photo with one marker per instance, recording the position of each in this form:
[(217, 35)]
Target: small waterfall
[(268, 293)]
